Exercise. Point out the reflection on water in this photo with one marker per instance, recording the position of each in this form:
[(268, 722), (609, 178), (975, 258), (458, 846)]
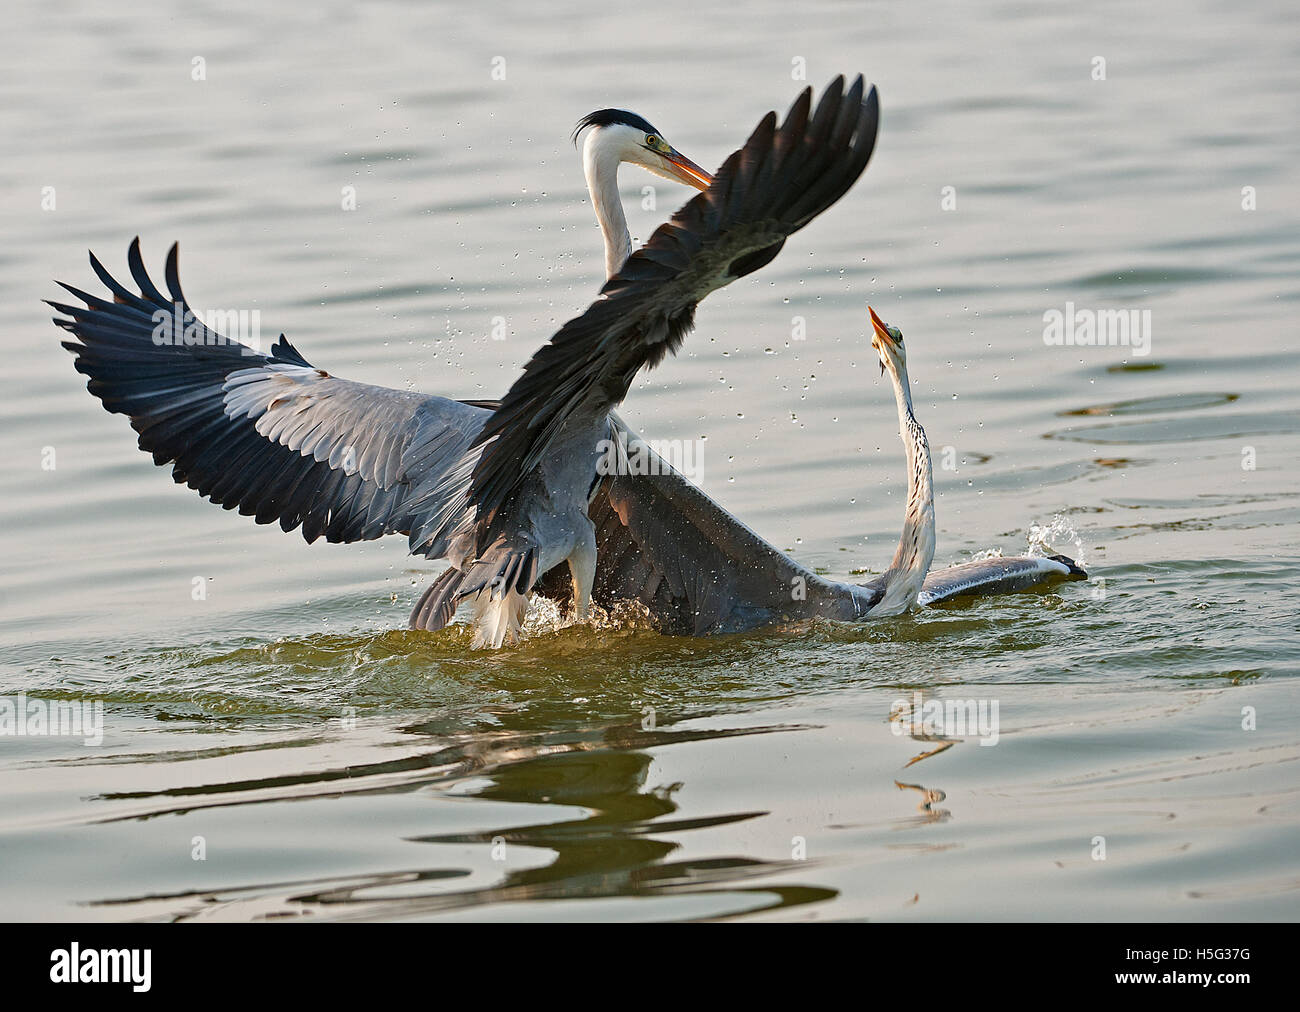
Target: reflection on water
[(930, 797), (613, 839)]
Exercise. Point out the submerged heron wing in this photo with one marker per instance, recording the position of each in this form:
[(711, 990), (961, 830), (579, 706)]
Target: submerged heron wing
[(664, 543), (996, 576), (772, 187), (269, 433), (697, 569)]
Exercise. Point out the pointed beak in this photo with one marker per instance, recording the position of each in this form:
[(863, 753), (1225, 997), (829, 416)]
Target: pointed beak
[(686, 170), (882, 332)]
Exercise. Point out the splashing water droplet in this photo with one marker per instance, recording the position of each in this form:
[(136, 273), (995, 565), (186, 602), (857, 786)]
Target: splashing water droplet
[(1059, 530)]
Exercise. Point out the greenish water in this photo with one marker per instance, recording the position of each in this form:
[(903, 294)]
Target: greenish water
[(326, 764)]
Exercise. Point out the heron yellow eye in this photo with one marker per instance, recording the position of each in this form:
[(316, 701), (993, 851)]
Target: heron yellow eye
[(653, 141)]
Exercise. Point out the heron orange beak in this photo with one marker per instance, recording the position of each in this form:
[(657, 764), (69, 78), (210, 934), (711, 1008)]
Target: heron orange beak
[(882, 332), (687, 171)]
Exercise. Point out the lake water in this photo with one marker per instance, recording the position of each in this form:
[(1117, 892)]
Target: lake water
[(283, 748)]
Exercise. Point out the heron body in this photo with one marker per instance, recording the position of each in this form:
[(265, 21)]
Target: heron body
[(508, 492), (540, 449)]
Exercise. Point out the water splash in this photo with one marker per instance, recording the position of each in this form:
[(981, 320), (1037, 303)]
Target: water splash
[(546, 616), (1044, 539)]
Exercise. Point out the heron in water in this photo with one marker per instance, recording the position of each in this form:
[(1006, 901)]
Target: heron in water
[(499, 489), (697, 570), (538, 455)]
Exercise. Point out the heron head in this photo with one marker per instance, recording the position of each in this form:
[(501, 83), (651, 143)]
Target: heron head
[(888, 342), (631, 139)]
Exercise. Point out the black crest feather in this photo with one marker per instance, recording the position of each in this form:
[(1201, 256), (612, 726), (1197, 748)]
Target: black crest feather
[(608, 117)]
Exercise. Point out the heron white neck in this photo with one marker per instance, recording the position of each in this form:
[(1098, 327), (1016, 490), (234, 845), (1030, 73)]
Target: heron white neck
[(600, 162), (915, 550)]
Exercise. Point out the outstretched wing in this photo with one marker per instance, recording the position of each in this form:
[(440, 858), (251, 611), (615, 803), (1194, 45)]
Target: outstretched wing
[(772, 187), (269, 433)]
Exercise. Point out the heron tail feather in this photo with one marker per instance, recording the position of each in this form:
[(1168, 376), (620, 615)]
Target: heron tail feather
[(498, 618), (500, 586), (438, 603)]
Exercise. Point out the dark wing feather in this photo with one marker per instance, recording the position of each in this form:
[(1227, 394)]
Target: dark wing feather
[(772, 187), (665, 543), (269, 434)]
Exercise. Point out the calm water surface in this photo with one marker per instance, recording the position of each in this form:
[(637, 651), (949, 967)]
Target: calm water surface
[(330, 765)]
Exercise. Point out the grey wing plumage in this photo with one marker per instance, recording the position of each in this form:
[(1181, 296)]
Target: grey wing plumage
[(996, 576), (268, 434), (772, 187)]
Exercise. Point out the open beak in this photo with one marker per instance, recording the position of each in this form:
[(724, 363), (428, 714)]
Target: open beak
[(882, 334), (686, 170)]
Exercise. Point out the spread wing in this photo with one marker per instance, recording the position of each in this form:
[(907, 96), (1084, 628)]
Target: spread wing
[(772, 187), (269, 433)]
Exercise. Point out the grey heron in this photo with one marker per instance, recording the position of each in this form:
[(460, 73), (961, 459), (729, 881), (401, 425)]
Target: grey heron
[(697, 570), (533, 464), (501, 490)]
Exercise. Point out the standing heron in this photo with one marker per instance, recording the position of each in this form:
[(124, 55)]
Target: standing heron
[(696, 569), (500, 490), (534, 464)]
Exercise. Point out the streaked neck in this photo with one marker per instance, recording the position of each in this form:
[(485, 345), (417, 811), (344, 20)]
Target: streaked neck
[(915, 550)]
